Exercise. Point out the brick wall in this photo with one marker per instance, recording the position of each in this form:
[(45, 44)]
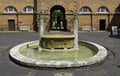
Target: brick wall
[(20, 17), (92, 19)]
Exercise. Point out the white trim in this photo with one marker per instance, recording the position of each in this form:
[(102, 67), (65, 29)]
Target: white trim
[(102, 12), (85, 12)]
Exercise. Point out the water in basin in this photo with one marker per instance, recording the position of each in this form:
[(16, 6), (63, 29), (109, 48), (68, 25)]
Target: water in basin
[(84, 52)]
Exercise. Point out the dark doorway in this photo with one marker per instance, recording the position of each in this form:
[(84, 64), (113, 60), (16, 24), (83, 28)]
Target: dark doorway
[(11, 25), (57, 18), (102, 24)]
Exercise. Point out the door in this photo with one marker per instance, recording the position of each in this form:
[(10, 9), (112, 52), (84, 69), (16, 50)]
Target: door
[(57, 18), (11, 25), (102, 24)]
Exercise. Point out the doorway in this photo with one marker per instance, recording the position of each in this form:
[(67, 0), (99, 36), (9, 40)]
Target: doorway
[(102, 24), (57, 18), (11, 25)]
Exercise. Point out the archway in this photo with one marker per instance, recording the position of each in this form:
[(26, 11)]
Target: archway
[(57, 18)]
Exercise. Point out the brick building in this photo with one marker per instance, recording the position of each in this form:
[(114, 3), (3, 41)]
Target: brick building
[(98, 14), (15, 13)]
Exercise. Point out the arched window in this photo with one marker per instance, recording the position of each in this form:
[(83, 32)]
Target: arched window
[(103, 10), (10, 9), (117, 10), (28, 9), (85, 10)]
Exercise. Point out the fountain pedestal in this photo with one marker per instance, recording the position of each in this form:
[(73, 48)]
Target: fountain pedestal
[(59, 41)]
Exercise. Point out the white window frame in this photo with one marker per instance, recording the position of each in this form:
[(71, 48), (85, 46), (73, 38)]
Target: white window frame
[(85, 10), (28, 9), (10, 9), (103, 10)]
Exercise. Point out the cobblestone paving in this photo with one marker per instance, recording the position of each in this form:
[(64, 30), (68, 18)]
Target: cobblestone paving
[(109, 67)]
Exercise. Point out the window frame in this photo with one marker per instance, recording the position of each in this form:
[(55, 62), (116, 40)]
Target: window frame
[(103, 10), (28, 9), (85, 10), (10, 9)]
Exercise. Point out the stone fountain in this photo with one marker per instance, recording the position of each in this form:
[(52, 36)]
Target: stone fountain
[(60, 40), (58, 49)]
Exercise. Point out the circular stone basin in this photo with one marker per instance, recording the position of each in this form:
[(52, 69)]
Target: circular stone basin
[(30, 54), (58, 54)]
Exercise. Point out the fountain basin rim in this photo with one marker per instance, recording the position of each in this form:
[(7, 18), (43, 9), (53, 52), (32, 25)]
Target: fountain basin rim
[(58, 36), (15, 55)]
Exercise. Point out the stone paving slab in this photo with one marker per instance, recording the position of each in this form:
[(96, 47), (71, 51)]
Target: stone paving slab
[(63, 74)]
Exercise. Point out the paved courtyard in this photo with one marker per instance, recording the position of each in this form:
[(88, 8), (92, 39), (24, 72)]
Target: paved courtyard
[(109, 67)]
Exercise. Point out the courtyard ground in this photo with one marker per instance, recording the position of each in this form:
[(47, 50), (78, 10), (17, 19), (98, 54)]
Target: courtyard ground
[(109, 67)]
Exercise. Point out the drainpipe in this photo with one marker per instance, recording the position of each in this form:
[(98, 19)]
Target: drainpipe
[(91, 16)]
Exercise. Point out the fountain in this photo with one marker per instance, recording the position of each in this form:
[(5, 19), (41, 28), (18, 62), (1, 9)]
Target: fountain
[(58, 49)]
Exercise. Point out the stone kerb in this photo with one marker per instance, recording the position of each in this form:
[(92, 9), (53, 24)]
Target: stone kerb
[(15, 55)]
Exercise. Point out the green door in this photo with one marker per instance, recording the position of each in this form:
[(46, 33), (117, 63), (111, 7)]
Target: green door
[(11, 25)]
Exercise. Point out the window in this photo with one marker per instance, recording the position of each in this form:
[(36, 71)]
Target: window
[(103, 10), (117, 10), (85, 10), (28, 9), (10, 9)]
